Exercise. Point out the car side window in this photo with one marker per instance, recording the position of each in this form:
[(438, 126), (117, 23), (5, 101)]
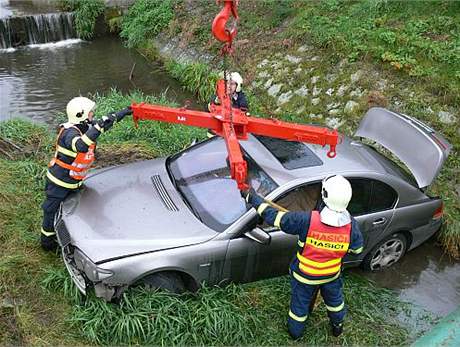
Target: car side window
[(301, 198), (360, 200), (383, 197)]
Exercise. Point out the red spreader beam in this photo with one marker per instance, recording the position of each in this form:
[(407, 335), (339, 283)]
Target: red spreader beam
[(233, 125)]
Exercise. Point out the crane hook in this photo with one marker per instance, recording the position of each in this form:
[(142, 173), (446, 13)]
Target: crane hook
[(219, 29)]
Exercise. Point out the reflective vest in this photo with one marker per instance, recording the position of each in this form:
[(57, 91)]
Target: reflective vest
[(78, 169), (321, 254)]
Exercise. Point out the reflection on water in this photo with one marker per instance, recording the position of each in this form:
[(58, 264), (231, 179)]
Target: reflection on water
[(37, 82), (424, 276), (26, 7)]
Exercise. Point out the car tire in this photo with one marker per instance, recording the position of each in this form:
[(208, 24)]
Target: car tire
[(170, 281), (385, 253)]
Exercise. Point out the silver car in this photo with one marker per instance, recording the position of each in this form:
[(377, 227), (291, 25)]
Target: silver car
[(178, 222)]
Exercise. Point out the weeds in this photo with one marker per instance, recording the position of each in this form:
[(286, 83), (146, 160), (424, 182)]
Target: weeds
[(86, 12), (252, 314), (197, 78), (419, 45), (145, 20)]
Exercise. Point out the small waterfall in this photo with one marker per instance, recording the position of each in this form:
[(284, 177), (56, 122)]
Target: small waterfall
[(5, 33), (41, 28)]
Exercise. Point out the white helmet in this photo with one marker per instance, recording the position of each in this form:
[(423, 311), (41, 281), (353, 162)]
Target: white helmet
[(236, 77), (336, 192), (78, 109)]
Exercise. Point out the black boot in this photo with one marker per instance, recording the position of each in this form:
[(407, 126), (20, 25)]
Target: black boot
[(49, 243), (337, 329)]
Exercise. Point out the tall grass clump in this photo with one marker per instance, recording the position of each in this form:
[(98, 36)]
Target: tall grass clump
[(162, 138), (251, 314), (145, 19), (86, 12), (197, 78)]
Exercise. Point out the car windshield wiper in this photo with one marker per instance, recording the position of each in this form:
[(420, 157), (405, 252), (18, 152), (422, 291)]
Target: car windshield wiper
[(222, 172)]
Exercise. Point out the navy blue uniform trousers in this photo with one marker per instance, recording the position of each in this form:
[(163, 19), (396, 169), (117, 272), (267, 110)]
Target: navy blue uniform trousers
[(301, 297)]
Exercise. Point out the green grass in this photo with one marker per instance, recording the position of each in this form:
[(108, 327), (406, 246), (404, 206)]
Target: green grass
[(252, 314), (197, 78), (145, 19), (86, 12), (417, 38)]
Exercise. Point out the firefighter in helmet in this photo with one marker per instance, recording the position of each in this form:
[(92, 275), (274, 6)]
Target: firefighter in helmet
[(324, 238), (72, 159), (234, 90)]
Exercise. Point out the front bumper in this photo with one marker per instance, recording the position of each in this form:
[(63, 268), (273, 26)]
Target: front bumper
[(83, 272), (67, 250)]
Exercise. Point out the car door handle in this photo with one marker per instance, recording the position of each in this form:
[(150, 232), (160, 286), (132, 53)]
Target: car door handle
[(379, 221)]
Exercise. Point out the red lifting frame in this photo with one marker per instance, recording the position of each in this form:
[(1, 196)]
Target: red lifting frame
[(233, 125)]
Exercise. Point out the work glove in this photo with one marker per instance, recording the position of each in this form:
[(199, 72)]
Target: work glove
[(123, 113), (106, 122)]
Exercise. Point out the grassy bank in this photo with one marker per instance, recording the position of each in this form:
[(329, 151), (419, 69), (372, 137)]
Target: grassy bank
[(305, 61), (86, 12), (40, 306)]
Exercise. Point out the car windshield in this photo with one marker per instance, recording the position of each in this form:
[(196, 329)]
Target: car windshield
[(202, 176)]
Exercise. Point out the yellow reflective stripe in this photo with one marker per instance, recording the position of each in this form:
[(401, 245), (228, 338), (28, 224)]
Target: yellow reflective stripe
[(313, 282), (314, 271), (87, 140), (300, 243), (62, 183), (98, 128), (66, 151), (318, 264), (279, 215), (335, 246), (336, 309), (297, 318), (47, 233), (262, 208), (74, 143), (356, 251)]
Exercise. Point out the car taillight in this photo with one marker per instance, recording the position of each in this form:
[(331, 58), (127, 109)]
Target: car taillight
[(438, 213)]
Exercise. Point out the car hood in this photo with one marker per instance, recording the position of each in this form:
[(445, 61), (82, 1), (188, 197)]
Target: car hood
[(130, 209)]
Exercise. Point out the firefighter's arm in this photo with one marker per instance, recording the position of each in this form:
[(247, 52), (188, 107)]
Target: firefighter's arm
[(77, 143), (290, 222), (357, 242)]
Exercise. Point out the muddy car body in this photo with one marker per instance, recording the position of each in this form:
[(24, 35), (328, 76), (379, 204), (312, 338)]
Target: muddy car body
[(179, 221)]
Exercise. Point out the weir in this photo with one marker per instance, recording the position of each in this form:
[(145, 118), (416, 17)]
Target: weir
[(40, 28)]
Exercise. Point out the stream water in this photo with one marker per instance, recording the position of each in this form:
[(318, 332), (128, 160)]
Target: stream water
[(37, 81)]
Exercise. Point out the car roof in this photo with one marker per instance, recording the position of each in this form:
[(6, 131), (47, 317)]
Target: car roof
[(352, 157)]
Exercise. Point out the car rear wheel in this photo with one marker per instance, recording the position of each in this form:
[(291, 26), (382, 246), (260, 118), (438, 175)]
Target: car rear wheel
[(168, 280), (386, 253)]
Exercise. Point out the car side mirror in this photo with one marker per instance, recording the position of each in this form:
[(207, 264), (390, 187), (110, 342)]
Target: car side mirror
[(259, 236)]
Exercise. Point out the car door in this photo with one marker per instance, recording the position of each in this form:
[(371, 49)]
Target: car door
[(248, 260), (372, 205)]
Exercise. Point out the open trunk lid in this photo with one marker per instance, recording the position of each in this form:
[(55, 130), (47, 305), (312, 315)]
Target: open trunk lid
[(420, 148)]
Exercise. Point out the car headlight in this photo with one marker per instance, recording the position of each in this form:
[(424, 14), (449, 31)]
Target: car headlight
[(92, 271)]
